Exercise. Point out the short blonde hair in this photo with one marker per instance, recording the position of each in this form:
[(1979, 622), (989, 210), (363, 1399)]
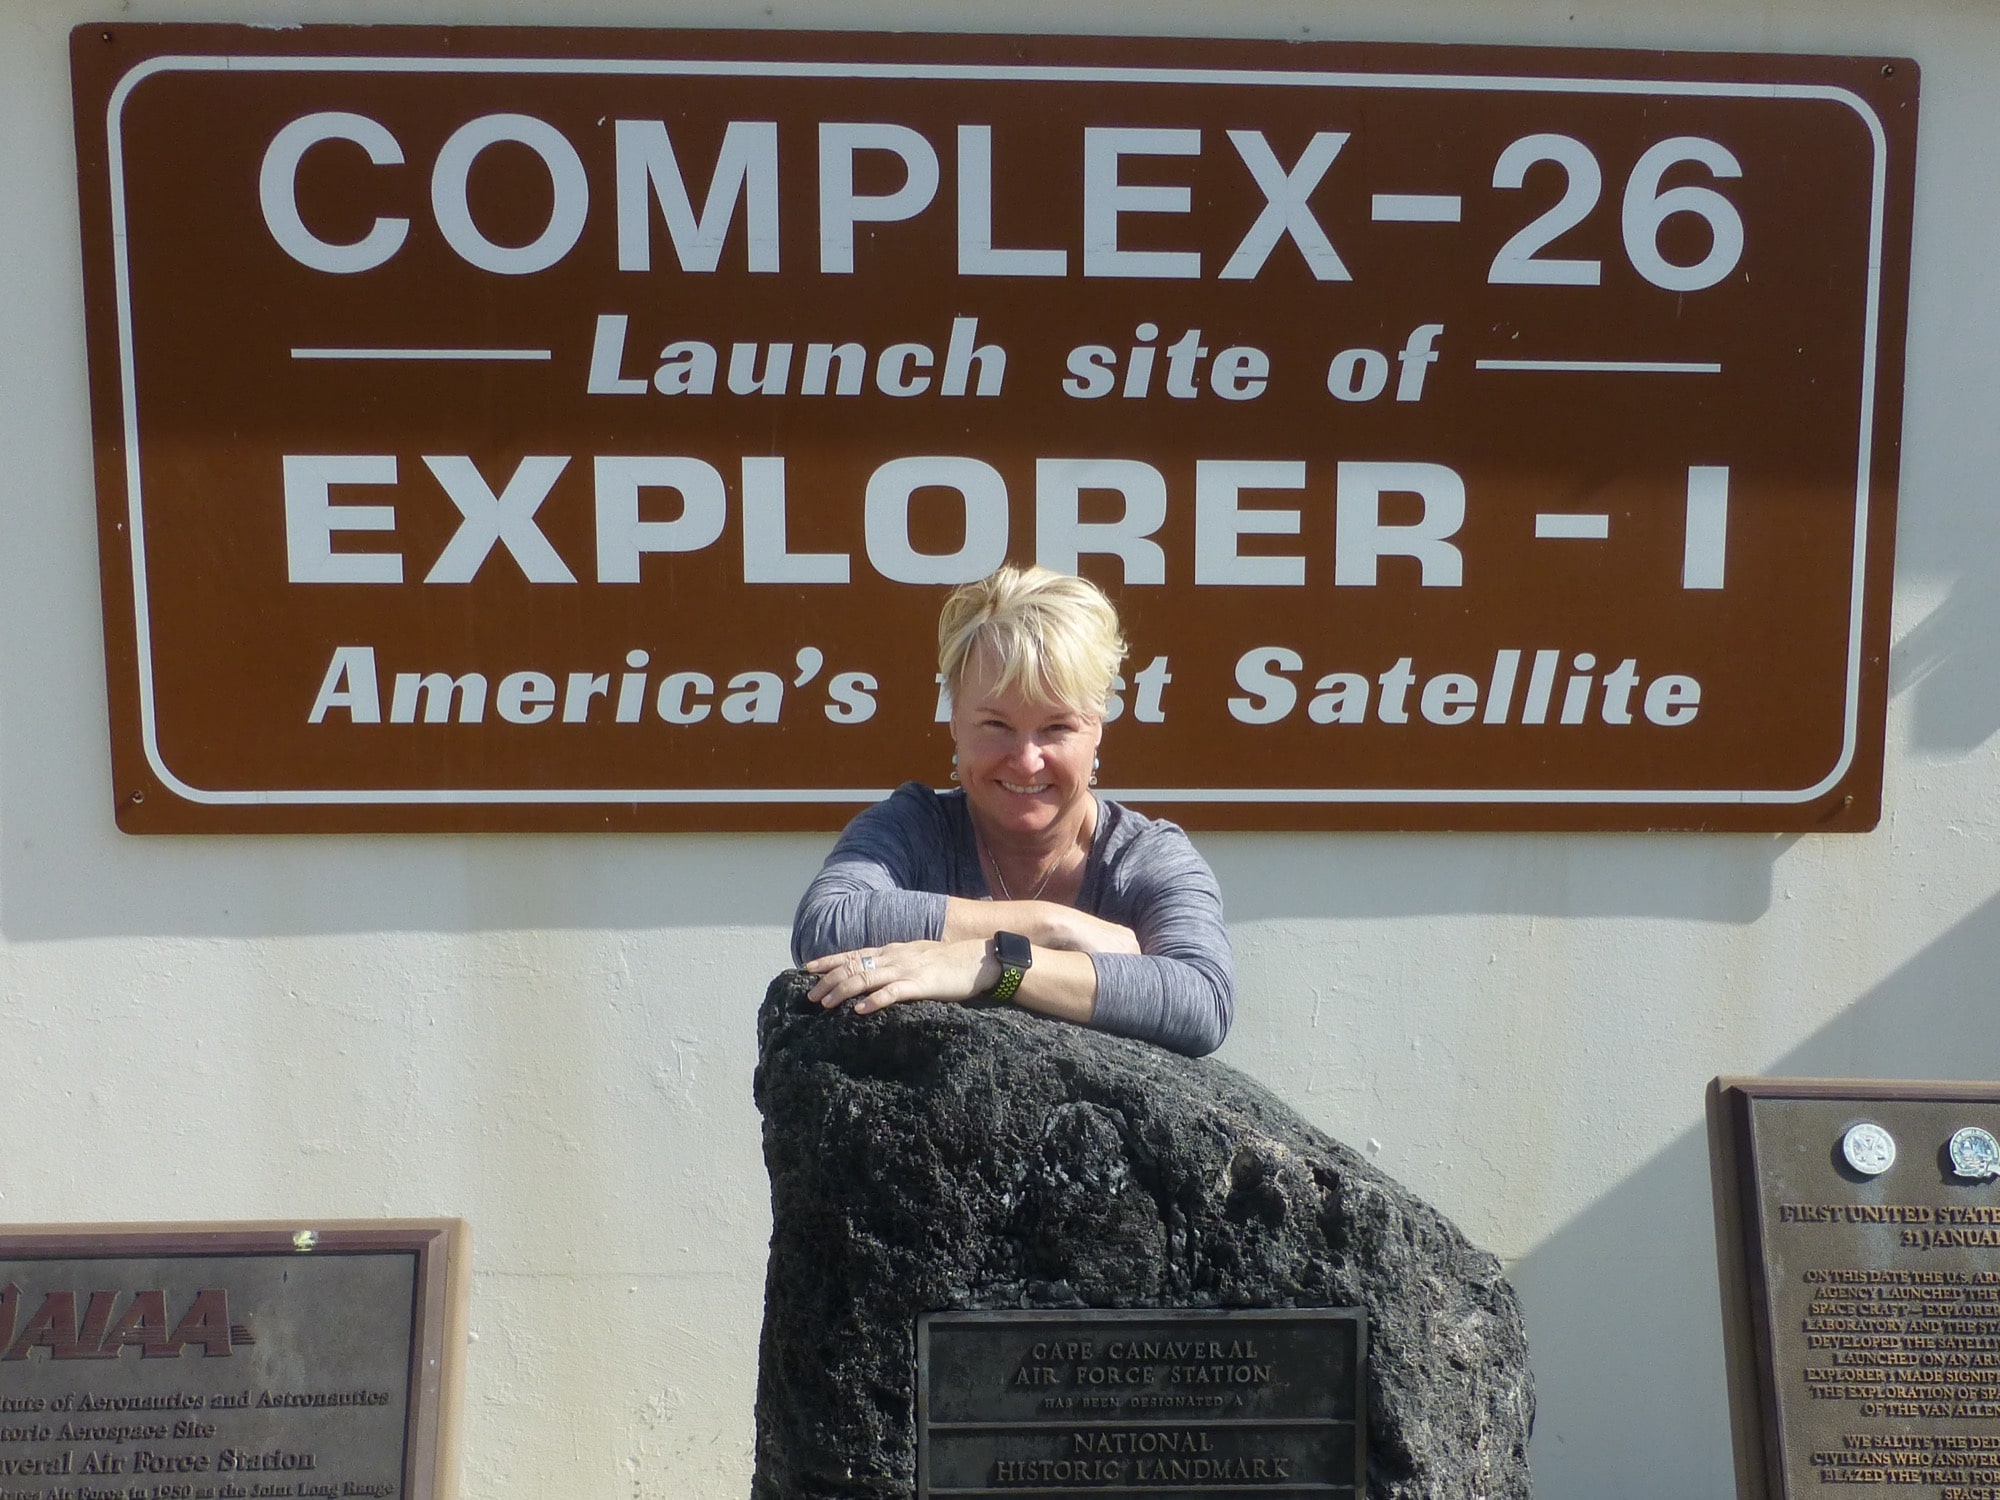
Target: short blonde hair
[(1051, 634)]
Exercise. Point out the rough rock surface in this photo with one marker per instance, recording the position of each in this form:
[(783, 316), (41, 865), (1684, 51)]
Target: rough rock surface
[(938, 1156)]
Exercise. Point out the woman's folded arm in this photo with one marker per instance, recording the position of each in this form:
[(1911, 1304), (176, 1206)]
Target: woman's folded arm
[(877, 885)]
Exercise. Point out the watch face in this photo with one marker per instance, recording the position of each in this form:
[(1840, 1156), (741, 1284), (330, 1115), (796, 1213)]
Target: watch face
[(1868, 1148), (1012, 948)]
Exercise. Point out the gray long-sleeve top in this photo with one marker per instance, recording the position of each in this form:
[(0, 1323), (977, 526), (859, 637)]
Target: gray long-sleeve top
[(889, 876)]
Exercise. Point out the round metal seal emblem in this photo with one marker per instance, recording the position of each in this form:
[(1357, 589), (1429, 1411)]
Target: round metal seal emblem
[(1974, 1153), (1869, 1148)]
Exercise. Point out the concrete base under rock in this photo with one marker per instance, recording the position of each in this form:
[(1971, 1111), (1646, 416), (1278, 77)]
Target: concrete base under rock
[(940, 1156)]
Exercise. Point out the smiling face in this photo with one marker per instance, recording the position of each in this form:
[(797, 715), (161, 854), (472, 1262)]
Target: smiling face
[(1024, 761)]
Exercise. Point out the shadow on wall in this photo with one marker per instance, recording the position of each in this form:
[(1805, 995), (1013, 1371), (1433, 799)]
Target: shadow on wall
[(1623, 1311), (1954, 685), (1695, 877), (56, 887)]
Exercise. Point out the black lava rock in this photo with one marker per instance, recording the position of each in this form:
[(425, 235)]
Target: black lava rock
[(940, 1156)]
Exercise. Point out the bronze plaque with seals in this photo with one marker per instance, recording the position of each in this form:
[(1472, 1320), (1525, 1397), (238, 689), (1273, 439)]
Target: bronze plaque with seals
[(224, 1362), (1209, 1401), (1858, 1228)]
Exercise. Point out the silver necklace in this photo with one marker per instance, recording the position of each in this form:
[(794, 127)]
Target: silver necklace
[(1000, 875)]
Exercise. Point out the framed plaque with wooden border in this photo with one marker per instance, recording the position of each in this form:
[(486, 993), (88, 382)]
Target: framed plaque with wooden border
[(223, 1361), (1858, 1232)]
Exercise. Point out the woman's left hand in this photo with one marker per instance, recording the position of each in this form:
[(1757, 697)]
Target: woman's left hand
[(877, 977)]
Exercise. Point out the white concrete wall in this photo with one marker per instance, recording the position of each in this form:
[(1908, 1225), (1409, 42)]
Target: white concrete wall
[(551, 1036)]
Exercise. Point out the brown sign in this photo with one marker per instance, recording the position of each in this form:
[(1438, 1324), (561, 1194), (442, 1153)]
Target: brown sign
[(190, 1361), (579, 429), (1859, 1233)]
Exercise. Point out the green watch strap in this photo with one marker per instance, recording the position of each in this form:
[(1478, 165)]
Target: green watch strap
[(1010, 981)]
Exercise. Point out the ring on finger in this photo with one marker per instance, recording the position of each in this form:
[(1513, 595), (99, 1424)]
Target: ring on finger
[(867, 961)]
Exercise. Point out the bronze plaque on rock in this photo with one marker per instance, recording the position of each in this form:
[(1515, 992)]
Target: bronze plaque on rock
[(1858, 1228), (568, 428), (1223, 1402), (225, 1362)]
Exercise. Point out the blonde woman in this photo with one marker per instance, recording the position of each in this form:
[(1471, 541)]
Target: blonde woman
[(1021, 884)]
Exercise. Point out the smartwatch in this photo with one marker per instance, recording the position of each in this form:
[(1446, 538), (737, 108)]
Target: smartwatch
[(1017, 956)]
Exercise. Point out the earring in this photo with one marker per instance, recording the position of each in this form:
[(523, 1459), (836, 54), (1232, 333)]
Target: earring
[(1095, 762), (954, 765)]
